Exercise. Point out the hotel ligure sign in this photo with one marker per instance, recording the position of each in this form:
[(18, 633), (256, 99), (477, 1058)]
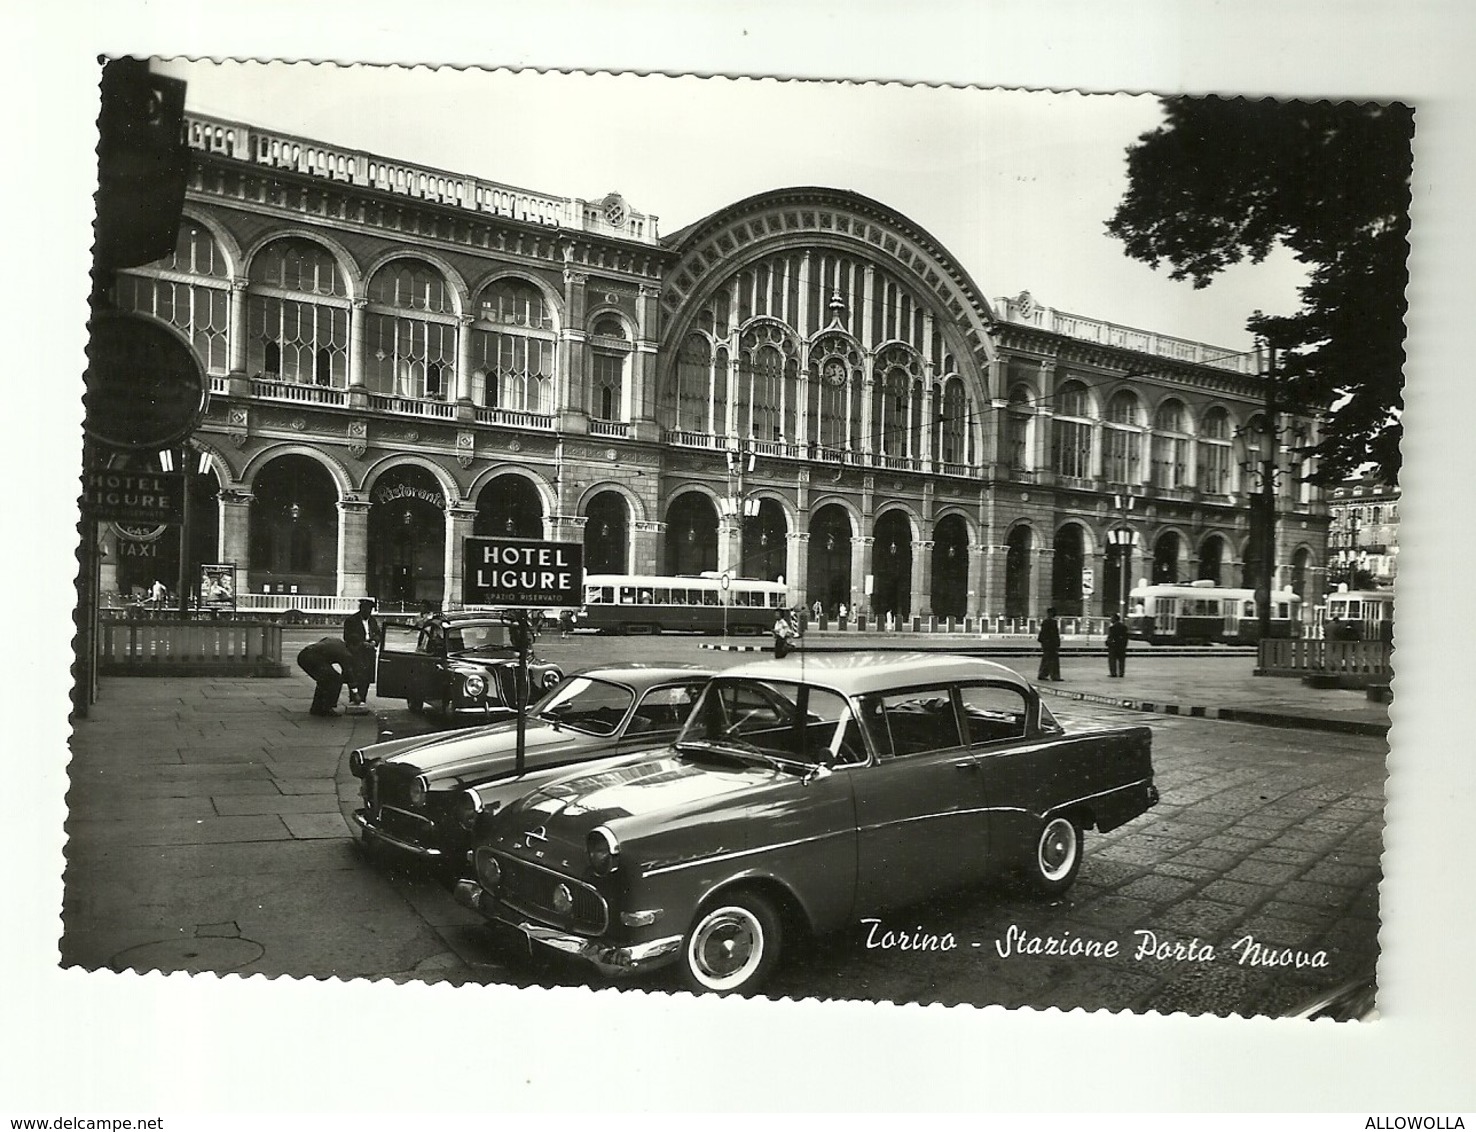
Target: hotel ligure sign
[(522, 573)]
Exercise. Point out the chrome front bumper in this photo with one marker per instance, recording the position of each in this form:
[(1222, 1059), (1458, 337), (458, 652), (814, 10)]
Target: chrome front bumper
[(606, 959), (424, 852)]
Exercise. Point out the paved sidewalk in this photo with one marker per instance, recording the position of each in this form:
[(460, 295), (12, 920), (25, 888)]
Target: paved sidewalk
[(1223, 685), (205, 834)]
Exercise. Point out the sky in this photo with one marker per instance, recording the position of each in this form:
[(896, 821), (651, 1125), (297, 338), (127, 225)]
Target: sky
[(1016, 184)]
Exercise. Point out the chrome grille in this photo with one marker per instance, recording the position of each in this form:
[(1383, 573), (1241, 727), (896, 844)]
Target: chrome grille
[(530, 888)]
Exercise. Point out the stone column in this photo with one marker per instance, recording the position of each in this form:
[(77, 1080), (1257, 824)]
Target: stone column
[(797, 567), (463, 395), (1041, 580), (920, 601), (459, 520), (929, 423), (861, 552), (233, 536), (648, 541), (730, 543), (353, 547), (236, 347), (573, 361), (981, 600)]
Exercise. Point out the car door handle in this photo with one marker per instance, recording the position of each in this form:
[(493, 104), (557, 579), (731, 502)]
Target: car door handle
[(967, 764)]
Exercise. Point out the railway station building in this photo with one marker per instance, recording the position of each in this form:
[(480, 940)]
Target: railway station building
[(804, 385)]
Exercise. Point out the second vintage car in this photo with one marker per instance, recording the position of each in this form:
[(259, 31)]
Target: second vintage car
[(460, 666), (801, 796), (410, 786)]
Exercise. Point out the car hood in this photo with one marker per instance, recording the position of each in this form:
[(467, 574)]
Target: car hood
[(461, 757), (666, 791)]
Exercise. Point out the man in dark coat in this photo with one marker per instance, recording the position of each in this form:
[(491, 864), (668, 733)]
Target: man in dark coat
[(329, 662), (1050, 647), (363, 634), (1117, 646)]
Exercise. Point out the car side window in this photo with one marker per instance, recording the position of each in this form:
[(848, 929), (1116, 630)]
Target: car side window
[(993, 713), (913, 722), (665, 708)]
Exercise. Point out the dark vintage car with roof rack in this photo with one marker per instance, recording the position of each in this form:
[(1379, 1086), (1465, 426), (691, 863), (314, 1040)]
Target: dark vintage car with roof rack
[(409, 786), (801, 795)]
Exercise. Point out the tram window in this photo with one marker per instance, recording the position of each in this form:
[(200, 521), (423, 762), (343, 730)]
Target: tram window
[(709, 597), (645, 597), (627, 595), (663, 597), (1355, 610), (593, 595), (679, 597)]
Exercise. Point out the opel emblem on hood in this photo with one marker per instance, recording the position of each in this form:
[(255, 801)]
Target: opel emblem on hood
[(539, 833)]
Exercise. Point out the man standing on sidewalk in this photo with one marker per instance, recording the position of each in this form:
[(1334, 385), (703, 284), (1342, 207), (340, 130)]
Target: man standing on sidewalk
[(329, 662), (1050, 647), (1117, 646), (363, 634)]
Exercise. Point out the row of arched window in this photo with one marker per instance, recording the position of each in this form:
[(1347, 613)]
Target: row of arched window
[(1178, 451), (299, 312)]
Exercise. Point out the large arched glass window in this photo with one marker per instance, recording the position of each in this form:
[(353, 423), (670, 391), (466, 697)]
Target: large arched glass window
[(896, 411), (952, 438), (693, 394), (1071, 432), (834, 391), (1122, 459), (609, 363), (1170, 446), (410, 332), (297, 315), (190, 289), (514, 348), (1213, 472)]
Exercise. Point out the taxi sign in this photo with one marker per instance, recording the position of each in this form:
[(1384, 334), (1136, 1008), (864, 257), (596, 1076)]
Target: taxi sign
[(521, 573)]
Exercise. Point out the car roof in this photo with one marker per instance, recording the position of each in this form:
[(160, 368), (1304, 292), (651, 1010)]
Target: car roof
[(639, 674), (862, 673)]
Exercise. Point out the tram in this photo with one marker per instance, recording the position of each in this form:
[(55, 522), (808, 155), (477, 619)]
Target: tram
[(1204, 613), (655, 603), (1358, 615)]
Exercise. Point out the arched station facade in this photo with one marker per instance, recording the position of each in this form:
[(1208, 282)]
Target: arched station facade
[(802, 386)]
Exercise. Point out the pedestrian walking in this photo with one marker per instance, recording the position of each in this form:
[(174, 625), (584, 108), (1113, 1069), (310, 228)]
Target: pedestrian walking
[(783, 631), (817, 611), (1050, 647), (841, 614), (1117, 646), (363, 634), (330, 662)]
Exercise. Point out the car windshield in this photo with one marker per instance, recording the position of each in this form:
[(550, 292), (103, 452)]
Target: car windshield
[(770, 719), (468, 638), (593, 706)]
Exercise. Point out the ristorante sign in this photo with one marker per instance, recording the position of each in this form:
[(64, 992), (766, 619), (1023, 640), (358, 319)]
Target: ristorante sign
[(522, 573), (146, 498)]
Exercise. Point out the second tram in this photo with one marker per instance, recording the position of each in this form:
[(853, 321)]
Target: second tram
[(654, 603), (1358, 615), (1203, 613)]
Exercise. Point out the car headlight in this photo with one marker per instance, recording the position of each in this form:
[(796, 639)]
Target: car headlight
[(468, 809), (603, 850), (489, 872), (356, 764), (551, 677), (418, 790), (474, 685)]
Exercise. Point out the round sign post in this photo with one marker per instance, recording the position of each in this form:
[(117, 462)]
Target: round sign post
[(724, 581), (145, 388)]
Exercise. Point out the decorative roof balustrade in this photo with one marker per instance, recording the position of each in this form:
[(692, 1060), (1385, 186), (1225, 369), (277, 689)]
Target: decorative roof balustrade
[(1022, 310), (275, 150)]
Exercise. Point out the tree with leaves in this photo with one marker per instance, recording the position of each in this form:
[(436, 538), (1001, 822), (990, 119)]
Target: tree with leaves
[(1223, 180)]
